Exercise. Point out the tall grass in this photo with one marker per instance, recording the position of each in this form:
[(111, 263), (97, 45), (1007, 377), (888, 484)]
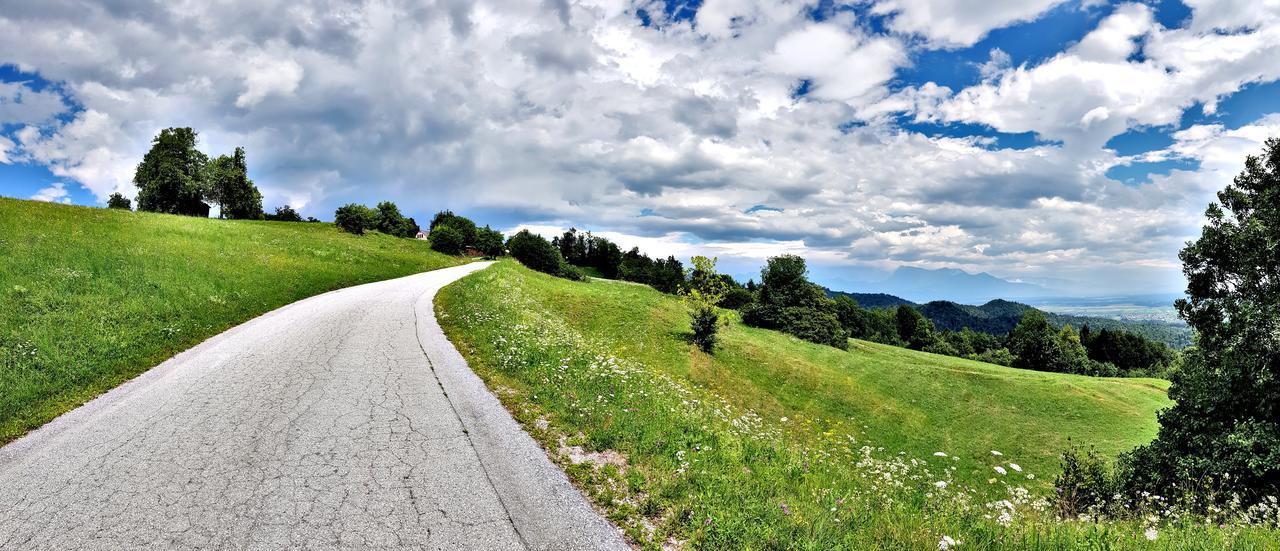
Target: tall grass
[(773, 443), (90, 298)]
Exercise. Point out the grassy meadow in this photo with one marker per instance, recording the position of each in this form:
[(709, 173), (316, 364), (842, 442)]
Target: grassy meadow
[(90, 297), (776, 443)]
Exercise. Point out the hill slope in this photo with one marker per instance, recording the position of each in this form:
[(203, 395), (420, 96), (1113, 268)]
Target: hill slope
[(775, 442), (93, 297)]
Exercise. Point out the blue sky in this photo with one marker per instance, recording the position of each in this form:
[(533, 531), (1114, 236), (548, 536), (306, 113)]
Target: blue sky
[(1072, 144)]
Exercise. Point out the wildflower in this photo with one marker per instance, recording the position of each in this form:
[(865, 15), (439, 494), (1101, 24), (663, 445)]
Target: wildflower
[(1152, 533), (947, 543), (1015, 467), (939, 454), (941, 484), (784, 419), (1031, 476), (785, 510), (996, 453), (1001, 470), (1005, 518)]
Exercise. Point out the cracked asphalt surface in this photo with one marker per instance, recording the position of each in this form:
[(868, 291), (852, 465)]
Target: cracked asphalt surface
[(345, 420)]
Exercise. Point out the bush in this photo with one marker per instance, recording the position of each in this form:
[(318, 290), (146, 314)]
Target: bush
[(489, 242), (117, 201), (705, 289), (285, 214), (736, 298), (814, 325), (538, 254), (447, 240), (1086, 485), (998, 356), (391, 222), (461, 224), (354, 218), (705, 322)]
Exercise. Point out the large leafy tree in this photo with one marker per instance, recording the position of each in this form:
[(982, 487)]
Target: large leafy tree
[(171, 177), (230, 187), (1221, 438)]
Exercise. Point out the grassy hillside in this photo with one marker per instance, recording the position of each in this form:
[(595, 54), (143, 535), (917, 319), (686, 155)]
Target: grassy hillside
[(89, 298), (778, 443)]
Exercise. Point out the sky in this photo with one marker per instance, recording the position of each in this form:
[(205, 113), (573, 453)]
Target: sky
[(1072, 144)]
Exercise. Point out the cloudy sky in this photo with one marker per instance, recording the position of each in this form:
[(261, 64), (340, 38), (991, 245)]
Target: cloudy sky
[(1069, 143)]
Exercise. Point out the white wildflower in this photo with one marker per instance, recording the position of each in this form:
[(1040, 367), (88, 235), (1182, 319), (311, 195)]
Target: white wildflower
[(1152, 533), (948, 543), (1005, 518), (1015, 467), (1000, 470), (941, 484), (939, 454), (996, 453)]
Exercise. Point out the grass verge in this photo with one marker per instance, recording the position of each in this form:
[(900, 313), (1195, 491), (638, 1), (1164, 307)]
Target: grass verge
[(774, 443)]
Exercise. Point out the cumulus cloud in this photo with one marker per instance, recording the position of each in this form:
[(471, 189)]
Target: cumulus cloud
[(665, 136), (55, 193), (952, 23)]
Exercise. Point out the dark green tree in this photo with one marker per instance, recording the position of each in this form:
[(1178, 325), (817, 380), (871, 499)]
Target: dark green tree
[(285, 214), (537, 253), (489, 242), (1221, 438), (788, 301), (354, 218), (118, 201), (391, 222), (462, 224), (447, 240), (228, 185), (171, 176)]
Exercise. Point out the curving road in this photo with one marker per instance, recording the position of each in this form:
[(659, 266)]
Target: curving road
[(346, 420)]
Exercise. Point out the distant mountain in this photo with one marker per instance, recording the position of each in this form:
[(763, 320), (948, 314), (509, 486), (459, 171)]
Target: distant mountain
[(920, 284), (1000, 316), (872, 300)]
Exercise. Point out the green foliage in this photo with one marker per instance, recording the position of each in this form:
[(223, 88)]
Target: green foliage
[(93, 297), (1221, 439), (355, 218), (537, 253), (228, 185), (788, 302), (1036, 344), (285, 214), (489, 242), (460, 224), (705, 290), (388, 220), (171, 177), (735, 298), (913, 328), (118, 201), (1085, 486), (447, 240)]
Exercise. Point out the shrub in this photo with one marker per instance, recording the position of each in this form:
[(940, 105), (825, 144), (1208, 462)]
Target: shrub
[(285, 214), (706, 289), (788, 302), (489, 242), (736, 298), (538, 254), (117, 201), (462, 224), (354, 218), (998, 356), (447, 240), (391, 222), (1086, 485)]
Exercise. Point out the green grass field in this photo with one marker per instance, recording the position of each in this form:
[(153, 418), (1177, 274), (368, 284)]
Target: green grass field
[(90, 298), (778, 443)]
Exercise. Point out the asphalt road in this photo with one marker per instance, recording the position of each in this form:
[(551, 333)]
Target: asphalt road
[(346, 420)]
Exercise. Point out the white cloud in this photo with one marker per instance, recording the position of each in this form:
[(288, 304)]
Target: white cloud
[(662, 136), (55, 193), (956, 23)]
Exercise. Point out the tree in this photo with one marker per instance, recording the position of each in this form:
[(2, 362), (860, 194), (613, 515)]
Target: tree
[(285, 214), (705, 290), (229, 186), (913, 328), (391, 222), (535, 252), (118, 201), (1221, 438), (447, 240), (489, 241), (354, 218), (787, 301), (1035, 344), (171, 176), (462, 224)]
